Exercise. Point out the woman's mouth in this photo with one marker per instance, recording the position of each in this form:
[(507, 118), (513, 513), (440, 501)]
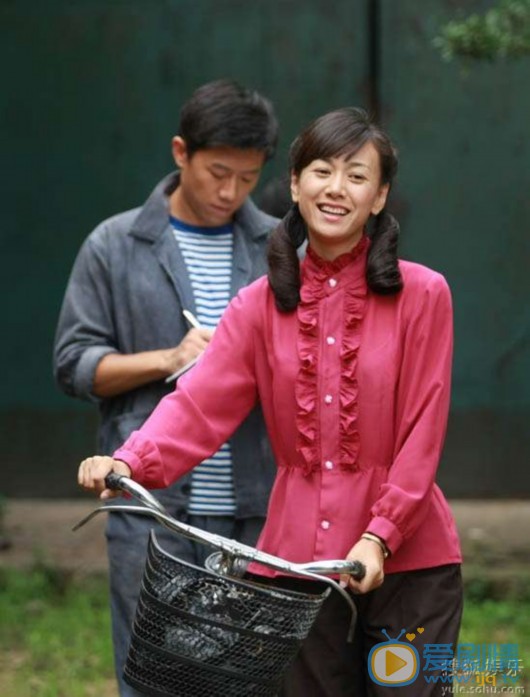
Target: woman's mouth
[(328, 209)]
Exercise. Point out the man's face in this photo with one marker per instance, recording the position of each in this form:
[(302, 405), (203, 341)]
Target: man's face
[(213, 183)]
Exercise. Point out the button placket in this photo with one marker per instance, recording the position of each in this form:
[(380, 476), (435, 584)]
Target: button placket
[(331, 326)]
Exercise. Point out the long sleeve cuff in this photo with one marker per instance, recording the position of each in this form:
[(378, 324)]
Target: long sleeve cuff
[(387, 531), (131, 460), (141, 454), (86, 369)]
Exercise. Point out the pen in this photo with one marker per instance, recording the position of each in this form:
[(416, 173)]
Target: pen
[(192, 320), (184, 369)]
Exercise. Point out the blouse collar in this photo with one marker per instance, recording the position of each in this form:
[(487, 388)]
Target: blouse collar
[(341, 261), (316, 270)]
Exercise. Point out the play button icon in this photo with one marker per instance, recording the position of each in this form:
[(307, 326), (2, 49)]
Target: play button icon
[(393, 663)]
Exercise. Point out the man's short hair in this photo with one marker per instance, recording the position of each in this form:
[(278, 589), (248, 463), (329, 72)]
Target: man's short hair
[(223, 113)]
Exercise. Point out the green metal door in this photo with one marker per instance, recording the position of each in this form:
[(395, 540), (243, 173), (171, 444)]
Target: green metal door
[(91, 92), (462, 198)]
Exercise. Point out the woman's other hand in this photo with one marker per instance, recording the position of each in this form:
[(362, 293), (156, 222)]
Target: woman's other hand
[(371, 555), (92, 473)]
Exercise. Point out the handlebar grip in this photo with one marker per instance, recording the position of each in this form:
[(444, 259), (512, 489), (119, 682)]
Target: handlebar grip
[(358, 570), (113, 481)]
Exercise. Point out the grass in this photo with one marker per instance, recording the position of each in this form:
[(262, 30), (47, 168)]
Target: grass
[(54, 635), (55, 631), (490, 621)]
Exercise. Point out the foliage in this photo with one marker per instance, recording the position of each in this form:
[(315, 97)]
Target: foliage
[(502, 32), (55, 632), (499, 622), (54, 635)]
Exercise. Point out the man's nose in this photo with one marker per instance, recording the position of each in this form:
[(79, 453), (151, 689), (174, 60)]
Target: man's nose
[(228, 191)]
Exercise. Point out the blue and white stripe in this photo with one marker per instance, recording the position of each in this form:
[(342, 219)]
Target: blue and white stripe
[(208, 256)]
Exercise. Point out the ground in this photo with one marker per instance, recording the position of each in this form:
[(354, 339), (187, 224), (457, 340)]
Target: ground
[(40, 530), (494, 533)]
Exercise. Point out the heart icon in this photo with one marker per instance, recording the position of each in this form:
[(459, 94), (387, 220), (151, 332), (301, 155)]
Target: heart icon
[(410, 637), (420, 630)]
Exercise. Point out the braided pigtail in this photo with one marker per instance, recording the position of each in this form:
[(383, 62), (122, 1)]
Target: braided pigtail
[(382, 270), (284, 265)]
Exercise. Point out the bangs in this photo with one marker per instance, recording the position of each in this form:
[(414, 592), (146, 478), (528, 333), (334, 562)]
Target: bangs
[(333, 135), (346, 149)]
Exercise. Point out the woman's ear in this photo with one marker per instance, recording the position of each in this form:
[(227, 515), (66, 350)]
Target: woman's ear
[(380, 199), (295, 189), (179, 150)]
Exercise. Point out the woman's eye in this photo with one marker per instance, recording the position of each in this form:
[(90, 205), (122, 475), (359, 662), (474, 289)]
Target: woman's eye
[(357, 178), (322, 171)]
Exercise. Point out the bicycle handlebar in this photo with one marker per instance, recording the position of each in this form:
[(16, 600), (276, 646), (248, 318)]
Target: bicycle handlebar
[(231, 549), (156, 509)]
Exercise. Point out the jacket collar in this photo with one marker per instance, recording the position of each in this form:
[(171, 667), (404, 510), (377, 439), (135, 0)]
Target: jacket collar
[(152, 220), (250, 227)]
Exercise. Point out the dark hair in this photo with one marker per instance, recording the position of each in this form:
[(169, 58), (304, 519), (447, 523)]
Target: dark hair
[(339, 133), (275, 198), (222, 113)]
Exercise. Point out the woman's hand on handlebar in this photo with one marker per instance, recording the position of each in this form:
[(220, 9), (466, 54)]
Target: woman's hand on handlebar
[(92, 473), (371, 555)]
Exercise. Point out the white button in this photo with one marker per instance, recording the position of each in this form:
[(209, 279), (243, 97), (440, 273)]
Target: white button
[(330, 340), (328, 399), (325, 524), (328, 465), (332, 282)]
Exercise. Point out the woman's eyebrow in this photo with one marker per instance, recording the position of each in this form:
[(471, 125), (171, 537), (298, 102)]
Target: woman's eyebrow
[(354, 163)]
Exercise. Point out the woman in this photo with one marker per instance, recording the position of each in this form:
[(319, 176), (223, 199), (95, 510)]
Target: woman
[(349, 354)]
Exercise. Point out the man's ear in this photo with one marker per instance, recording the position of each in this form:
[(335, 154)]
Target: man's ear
[(295, 189), (380, 200), (179, 150)]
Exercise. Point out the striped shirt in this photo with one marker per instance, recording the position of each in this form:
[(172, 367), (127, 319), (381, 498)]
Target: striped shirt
[(208, 253)]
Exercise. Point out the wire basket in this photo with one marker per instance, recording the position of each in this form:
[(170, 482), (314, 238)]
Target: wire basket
[(206, 632), (198, 633)]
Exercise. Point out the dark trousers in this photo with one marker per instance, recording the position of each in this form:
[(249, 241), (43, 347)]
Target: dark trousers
[(127, 537), (328, 666)]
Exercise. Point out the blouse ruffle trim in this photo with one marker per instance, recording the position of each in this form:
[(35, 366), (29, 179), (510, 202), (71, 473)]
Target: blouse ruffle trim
[(316, 272)]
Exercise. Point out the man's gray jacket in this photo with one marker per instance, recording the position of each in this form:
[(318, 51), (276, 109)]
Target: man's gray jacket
[(126, 293)]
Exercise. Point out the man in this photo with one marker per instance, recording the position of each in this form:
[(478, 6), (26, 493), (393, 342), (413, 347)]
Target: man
[(194, 243)]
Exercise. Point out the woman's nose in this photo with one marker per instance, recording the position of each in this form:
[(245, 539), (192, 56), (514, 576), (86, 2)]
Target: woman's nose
[(335, 185)]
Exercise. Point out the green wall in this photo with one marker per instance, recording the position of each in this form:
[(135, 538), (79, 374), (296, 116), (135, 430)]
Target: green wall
[(463, 201), (90, 100)]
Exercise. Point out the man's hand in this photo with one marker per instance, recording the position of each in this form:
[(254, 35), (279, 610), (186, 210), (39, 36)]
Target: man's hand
[(371, 555), (92, 473), (117, 373), (191, 346)]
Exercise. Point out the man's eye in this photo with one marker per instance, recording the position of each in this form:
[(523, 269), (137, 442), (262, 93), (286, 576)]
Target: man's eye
[(322, 171), (217, 175)]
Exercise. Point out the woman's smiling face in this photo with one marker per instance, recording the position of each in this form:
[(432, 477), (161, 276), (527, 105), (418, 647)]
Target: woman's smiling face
[(336, 196)]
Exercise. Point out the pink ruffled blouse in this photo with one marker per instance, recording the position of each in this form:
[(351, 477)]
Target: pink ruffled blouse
[(355, 390)]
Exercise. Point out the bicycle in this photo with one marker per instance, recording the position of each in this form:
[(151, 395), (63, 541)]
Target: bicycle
[(213, 631)]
